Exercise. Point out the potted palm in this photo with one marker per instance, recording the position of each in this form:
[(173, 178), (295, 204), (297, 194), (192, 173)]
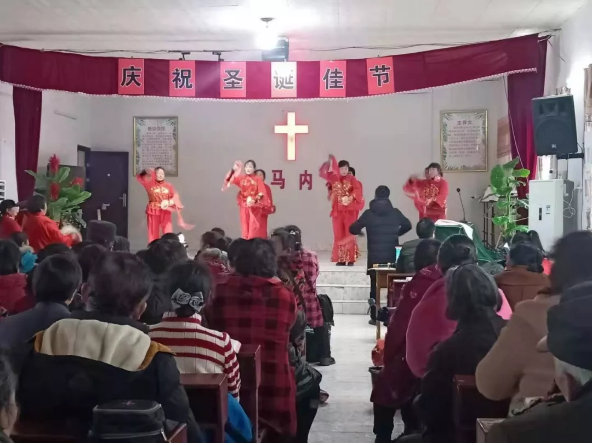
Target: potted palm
[(505, 180), (63, 196)]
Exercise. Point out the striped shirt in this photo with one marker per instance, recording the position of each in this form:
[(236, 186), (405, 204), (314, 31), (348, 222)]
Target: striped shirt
[(199, 350)]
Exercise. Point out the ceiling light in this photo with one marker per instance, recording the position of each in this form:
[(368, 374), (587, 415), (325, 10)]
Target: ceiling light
[(266, 39)]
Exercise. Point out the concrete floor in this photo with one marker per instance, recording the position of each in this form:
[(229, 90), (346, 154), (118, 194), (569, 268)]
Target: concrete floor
[(347, 417)]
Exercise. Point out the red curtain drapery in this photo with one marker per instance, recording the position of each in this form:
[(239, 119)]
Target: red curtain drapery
[(27, 129), (522, 89), (415, 71)]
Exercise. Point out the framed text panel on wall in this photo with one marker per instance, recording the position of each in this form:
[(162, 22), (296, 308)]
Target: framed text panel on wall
[(463, 140), (156, 144)]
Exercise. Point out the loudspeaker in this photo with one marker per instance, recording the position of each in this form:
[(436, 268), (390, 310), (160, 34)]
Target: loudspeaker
[(554, 125)]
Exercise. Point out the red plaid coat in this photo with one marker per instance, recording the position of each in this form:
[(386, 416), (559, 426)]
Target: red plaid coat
[(310, 266), (261, 311)]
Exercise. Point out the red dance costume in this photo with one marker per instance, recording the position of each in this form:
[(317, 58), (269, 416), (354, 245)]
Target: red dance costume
[(253, 218), (266, 211), (158, 218), (345, 246), (429, 196)]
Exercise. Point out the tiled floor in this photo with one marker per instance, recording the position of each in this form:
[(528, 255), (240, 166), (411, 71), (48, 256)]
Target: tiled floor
[(347, 417)]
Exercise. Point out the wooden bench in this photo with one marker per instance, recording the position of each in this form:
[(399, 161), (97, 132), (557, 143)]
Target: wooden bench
[(208, 400), (470, 405), (249, 359), (33, 431)]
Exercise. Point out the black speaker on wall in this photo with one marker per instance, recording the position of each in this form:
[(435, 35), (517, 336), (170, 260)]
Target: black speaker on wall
[(554, 125)]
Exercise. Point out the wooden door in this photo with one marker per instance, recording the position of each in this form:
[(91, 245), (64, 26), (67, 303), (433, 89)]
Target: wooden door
[(107, 175)]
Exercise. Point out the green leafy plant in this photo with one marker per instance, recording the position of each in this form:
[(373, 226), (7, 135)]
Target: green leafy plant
[(505, 179), (63, 197)]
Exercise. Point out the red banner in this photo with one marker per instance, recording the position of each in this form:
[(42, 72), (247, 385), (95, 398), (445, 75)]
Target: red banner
[(131, 76), (333, 78), (381, 79), (233, 79), (182, 78), (267, 80), (284, 79)]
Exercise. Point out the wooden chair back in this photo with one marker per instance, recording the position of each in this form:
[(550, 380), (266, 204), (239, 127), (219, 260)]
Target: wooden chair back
[(249, 359), (470, 404), (208, 399)]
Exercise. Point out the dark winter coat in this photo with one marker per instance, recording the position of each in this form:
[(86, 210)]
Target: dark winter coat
[(61, 376), (384, 225)]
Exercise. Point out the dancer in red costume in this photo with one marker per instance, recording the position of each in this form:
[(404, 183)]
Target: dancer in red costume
[(162, 201), (346, 202), (270, 209), (429, 195), (252, 199)]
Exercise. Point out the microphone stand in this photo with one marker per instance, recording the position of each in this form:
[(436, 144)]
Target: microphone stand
[(464, 220)]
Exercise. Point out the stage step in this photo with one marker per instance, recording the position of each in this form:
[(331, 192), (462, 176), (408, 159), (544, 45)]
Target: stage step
[(348, 287)]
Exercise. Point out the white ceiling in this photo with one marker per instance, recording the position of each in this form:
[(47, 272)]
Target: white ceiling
[(310, 24)]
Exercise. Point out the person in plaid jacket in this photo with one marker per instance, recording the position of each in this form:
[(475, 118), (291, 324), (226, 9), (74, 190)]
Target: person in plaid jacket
[(319, 350), (254, 307)]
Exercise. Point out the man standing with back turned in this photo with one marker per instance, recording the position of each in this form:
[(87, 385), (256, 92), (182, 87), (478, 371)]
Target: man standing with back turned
[(384, 225)]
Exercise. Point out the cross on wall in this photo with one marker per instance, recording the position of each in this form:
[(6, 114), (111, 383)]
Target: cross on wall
[(291, 130)]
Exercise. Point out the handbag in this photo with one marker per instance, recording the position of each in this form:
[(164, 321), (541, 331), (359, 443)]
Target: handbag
[(128, 421)]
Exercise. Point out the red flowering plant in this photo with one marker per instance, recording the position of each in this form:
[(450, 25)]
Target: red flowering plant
[(64, 195)]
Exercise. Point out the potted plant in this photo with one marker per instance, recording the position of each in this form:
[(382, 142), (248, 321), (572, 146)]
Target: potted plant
[(505, 179), (63, 197)]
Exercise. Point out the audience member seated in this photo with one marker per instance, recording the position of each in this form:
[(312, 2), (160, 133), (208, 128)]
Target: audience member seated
[(254, 307), (56, 281), (396, 386), (41, 230), (219, 231), (197, 349), (103, 355), (533, 238), (473, 299), (308, 380), (429, 324), (8, 225), (28, 257), (320, 346), (384, 225), (161, 255), (217, 262), (514, 367), (76, 248), (570, 342), (233, 249), (425, 229), (122, 244), (102, 233), (87, 258), (523, 278), (8, 407), (12, 283)]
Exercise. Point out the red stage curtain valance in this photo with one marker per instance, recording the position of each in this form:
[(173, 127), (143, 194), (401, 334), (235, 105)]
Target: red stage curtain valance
[(266, 80)]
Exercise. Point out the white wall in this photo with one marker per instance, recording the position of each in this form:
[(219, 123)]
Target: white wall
[(571, 53), (65, 123), (385, 139), (7, 160)]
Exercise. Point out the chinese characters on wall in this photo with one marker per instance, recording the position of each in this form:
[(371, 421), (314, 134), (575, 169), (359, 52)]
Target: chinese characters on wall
[(304, 180), (464, 140), (156, 144)]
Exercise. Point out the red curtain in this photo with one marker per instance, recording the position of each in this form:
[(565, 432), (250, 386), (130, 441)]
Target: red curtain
[(522, 89), (413, 71), (27, 129)]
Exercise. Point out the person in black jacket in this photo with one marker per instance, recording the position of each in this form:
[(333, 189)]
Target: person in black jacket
[(103, 355), (473, 299), (384, 225), (425, 229)]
